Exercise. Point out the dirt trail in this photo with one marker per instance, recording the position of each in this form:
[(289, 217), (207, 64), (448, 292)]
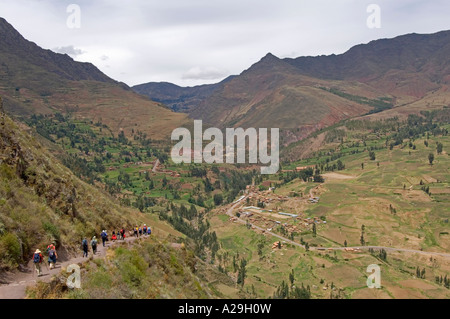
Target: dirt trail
[(14, 284), (155, 167)]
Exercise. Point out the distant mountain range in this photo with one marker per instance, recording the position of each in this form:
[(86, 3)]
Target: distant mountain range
[(307, 93), (179, 99), (381, 79), (34, 80)]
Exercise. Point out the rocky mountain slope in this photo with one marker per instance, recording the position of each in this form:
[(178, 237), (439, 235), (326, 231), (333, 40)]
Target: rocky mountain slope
[(34, 80)]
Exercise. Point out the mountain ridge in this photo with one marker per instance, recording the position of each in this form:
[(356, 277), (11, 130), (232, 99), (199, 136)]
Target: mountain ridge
[(178, 98), (38, 81), (403, 69), (286, 93)]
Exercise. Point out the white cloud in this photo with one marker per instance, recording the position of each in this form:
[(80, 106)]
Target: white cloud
[(69, 50)]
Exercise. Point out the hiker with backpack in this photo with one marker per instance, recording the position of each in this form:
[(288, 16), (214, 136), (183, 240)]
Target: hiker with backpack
[(144, 229), (51, 246), (94, 245), (52, 256), (136, 231), (140, 231), (85, 246), (149, 231), (122, 233), (104, 236), (37, 260)]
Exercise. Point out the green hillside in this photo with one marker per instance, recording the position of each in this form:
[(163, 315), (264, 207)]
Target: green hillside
[(379, 189)]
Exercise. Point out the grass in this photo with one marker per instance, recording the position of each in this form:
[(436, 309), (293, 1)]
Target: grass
[(365, 199), (148, 269), (42, 201)]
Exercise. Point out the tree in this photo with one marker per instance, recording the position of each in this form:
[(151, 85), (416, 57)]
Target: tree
[(362, 165), (372, 155), (261, 244), (291, 277), (314, 230), (431, 158), (242, 272), (218, 199), (439, 148), (363, 242)]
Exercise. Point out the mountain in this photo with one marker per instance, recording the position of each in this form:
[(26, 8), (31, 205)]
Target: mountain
[(272, 93), (412, 64), (43, 201), (179, 99), (34, 80), (387, 77), (319, 91)]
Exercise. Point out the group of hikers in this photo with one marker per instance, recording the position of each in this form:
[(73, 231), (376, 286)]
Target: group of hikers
[(38, 258)]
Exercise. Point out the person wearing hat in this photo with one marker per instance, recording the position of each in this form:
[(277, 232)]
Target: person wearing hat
[(37, 260), (94, 244)]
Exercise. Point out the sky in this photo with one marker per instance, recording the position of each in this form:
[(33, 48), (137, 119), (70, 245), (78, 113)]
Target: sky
[(193, 42)]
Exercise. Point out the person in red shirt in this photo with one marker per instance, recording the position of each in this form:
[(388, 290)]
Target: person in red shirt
[(114, 237)]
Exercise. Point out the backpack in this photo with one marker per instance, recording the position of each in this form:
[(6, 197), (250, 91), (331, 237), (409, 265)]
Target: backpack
[(51, 253), (84, 243), (37, 258)]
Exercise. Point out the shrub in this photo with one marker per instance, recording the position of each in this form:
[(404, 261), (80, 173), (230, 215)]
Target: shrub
[(10, 251)]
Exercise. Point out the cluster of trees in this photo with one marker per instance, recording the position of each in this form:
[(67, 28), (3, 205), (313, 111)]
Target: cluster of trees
[(143, 202), (80, 167), (242, 272), (307, 175), (382, 254), (426, 189), (233, 181), (284, 291), (443, 281), (392, 209), (191, 223), (420, 273), (361, 239)]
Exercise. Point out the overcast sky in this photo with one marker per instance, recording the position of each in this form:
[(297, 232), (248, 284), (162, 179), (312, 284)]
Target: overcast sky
[(191, 42)]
